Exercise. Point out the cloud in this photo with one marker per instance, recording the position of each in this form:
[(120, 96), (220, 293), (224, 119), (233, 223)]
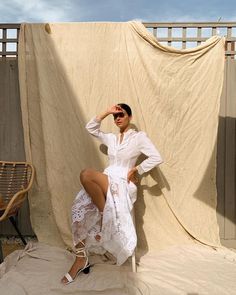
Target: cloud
[(116, 10), (34, 11)]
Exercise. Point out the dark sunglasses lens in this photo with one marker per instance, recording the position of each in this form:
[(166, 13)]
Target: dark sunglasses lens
[(121, 115)]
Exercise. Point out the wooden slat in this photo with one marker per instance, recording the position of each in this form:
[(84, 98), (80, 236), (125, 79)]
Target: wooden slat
[(199, 36), (10, 26), (230, 171), (184, 38), (213, 31), (4, 52), (4, 46), (189, 25), (228, 44), (169, 36), (10, 40), (155, 32), (190, 39), (220, 173), (230, 179), (220, 177)]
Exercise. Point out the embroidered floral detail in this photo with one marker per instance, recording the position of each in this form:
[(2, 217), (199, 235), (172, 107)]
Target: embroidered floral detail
[(118, 233)]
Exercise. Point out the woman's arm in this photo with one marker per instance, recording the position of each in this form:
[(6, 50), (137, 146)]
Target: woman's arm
[(102, 116), (93, 126), (154, 158), (147, 148)]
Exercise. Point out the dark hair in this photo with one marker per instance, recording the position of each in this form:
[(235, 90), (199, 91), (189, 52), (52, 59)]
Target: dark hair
[(126, 108)]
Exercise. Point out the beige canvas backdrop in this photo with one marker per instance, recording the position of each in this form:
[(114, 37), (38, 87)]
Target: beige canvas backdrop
[(70, 72)]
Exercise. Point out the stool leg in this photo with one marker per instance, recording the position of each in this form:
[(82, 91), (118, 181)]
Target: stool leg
[(134, 266)]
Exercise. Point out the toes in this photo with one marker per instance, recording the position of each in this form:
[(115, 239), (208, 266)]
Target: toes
[(64, 280)]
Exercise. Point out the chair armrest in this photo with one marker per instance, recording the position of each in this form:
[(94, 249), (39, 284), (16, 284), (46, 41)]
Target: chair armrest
[(17, 199)]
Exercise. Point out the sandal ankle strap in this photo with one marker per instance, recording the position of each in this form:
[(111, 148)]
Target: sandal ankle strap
[(81, 252)]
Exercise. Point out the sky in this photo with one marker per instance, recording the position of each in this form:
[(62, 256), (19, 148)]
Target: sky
[(18, 11)]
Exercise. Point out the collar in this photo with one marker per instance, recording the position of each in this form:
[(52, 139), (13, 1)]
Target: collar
[(129, 131)]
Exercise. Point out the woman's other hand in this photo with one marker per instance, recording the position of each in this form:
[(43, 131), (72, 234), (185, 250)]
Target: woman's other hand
[(132, 175)]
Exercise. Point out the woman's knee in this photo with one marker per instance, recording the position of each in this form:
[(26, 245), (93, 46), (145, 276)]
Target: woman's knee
[(86, 174)]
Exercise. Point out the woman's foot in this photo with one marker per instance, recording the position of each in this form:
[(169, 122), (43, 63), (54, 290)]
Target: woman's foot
[(77, 265), (81, 264)]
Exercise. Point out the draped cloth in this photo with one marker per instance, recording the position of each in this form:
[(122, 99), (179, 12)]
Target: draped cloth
[(70, 72)]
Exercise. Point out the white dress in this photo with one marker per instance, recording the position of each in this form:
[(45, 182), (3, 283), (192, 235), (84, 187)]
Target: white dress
[(118, 235)]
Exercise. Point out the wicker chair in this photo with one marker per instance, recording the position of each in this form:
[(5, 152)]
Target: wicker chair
[(16, 179)]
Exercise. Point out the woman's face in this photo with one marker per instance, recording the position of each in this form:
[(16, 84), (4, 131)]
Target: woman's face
[(122, 119)]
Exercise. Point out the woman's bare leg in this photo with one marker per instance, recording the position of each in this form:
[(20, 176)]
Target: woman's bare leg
[(95, 183)]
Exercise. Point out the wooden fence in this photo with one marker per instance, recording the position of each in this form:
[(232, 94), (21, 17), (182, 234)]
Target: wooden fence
[(180, 35), (9, 35), (183, 34)]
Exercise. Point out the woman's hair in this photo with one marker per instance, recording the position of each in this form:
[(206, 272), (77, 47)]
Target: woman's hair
[(126, 108)]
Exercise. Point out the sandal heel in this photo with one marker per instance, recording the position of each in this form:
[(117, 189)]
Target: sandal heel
[(86, 270)]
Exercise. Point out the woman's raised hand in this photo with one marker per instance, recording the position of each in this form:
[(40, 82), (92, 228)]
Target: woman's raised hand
[(114, 109)]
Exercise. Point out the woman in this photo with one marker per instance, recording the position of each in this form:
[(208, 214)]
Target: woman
[(101, 213)]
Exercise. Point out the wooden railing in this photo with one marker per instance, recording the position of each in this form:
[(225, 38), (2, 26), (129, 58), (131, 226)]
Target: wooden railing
[(180, 35), (9, 35)]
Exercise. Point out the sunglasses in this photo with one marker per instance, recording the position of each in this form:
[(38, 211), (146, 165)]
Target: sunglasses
[(120, 115)]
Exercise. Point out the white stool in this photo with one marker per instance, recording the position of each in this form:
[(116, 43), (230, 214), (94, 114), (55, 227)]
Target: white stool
[(134, 266)]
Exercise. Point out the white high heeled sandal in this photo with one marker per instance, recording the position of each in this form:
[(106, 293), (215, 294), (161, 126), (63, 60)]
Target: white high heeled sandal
[(80, 252)]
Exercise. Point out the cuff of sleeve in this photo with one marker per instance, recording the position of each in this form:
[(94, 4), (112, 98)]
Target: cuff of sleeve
[(140, 170), (96, 120)]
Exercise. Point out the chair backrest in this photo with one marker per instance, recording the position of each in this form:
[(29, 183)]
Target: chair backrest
[(15, 180)]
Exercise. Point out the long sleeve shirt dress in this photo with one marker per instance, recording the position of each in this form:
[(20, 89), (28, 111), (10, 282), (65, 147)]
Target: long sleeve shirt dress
[(118, 235)]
